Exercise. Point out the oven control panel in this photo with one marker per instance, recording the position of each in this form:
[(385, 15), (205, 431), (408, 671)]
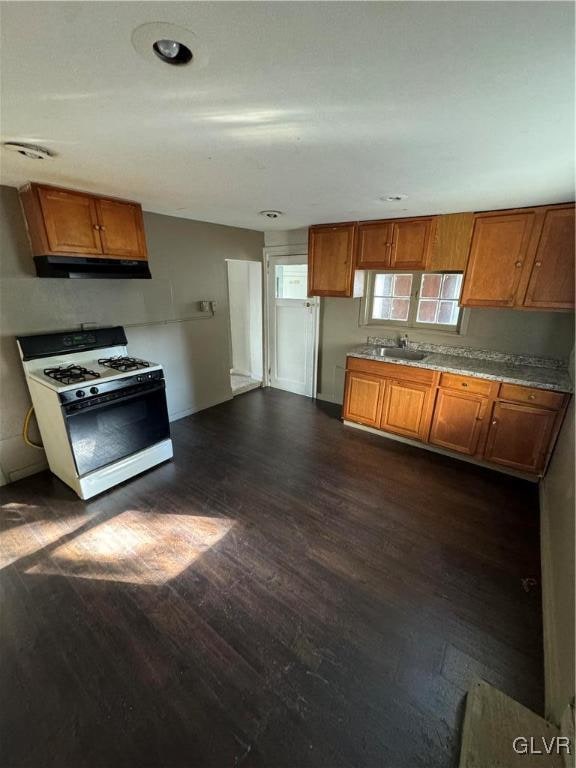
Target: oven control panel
[(111, 390)]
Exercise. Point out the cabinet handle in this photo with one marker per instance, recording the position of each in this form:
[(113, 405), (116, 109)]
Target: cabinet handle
[(538, 264), (101, 227), (96, 226), (494, 422), (464, 384), (518, 264), (531, 397)]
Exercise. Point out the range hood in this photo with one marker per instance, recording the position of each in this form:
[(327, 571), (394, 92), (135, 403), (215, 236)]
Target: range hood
[(82, 267)]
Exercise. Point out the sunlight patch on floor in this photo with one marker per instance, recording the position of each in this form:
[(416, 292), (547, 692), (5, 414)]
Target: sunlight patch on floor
[(26, 528), (136, 547)]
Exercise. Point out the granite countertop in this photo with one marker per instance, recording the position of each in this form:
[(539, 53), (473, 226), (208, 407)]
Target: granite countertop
[(543, 373)]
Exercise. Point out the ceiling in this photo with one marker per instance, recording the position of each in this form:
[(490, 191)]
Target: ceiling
[(317, 109)]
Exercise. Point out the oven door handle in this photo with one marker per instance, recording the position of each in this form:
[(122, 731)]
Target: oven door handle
[(70, 409)]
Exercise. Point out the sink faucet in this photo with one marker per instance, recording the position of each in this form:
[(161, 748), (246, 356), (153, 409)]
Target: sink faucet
[(403, 341)]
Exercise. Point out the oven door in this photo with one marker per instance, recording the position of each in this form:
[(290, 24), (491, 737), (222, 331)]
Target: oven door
[(101, 433)]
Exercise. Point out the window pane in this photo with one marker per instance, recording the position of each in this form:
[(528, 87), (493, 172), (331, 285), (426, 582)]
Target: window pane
[(381, 309), (400, 309), (383, 285), (291, 281), (402, 285), (427, 311), (431, 286), (448, 312), (451, 286)]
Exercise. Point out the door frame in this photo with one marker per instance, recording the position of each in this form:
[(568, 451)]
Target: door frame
[(288, 250)]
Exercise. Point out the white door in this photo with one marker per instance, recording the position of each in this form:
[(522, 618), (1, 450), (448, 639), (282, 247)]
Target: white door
[(292, 326)]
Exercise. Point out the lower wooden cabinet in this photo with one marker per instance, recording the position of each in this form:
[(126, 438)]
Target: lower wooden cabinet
[(505, 424), (520, 436), (406, 408), (363, 398), (459, 421)]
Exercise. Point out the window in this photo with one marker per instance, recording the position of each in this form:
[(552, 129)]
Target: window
[(291, 281), (421, 299)]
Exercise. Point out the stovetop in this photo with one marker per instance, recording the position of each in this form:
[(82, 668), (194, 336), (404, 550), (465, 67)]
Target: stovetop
[(123, 363), (68, 371), (70, 374)]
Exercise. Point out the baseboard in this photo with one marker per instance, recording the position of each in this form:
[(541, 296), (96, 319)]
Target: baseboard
[(22, 472), (551, 668), (176, 415)]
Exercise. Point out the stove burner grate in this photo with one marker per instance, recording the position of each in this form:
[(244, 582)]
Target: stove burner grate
[(70, 374), (123, 364)]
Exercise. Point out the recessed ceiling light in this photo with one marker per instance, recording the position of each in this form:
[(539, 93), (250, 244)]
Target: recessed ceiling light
[(172, 52), (171, 44), (271, 214), (394, 198), (31, 151)]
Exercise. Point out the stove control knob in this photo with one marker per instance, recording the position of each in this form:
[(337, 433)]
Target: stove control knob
[(93, 390), (80, 393)]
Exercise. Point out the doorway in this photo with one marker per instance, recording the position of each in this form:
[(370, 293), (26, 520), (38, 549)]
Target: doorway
[(292, 320), (246, 337)]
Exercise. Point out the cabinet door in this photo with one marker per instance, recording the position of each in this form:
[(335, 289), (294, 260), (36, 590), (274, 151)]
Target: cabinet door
[(458, 420), (451, 243), (405, 409), (70, 221), (551, 284), (121, 229), (519, 436), (374, 244), (331, 260), (497, 255), (411, 243), (363, 398)]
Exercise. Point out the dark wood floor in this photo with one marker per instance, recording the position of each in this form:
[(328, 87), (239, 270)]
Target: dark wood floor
[(289, 592)]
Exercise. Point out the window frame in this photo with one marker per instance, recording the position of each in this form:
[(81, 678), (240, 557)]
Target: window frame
[(367, 303)]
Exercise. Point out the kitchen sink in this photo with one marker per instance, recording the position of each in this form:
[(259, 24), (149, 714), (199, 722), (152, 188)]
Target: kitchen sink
[(400, 353)]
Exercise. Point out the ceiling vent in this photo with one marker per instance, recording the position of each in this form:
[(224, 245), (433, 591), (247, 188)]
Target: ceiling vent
[(31, 151), (271, 214)]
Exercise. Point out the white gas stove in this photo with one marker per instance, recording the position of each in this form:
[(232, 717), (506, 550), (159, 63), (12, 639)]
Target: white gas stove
[(102, 414)]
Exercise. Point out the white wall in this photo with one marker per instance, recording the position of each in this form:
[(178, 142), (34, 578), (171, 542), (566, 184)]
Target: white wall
[(188, 264), (245, 294), (557, 510), (549, 334), (256, 330)]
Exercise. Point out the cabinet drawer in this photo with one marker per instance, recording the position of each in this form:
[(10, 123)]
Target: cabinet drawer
[(541, 397), (466, 383), (391, 370)]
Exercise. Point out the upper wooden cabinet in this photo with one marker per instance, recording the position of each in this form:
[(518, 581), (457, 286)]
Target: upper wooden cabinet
[(395, 244), (498, 253), (70, 221), (332, 261), (121, 229), (551, 275), (411, 243), (452, 236), (523, 259), (374, 244), (64, 222)]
